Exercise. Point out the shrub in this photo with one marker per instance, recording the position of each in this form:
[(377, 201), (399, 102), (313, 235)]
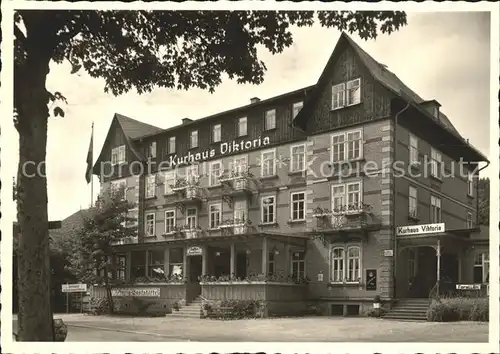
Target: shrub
[(375, 312), (458, 309), (139, 307), (238, 309), (99, 305)]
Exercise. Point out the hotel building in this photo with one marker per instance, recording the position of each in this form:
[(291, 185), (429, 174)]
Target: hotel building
[(299, 195)]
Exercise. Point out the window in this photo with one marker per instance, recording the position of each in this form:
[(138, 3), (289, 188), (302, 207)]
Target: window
[(240, 211), (347, 146), (215, 215), (338, 197), (436, 163), (347, 197), (240, 164), (119, 187), (150, 225), (171, 145), (298, 265), (242, 126), (176, 262), (268, 210), (482, 268), (118, 155), (412, 202), (194, 139), (354, 196), (151, 150), (121, 267), (156, 259), (150, 186), (270, 264), (353, 92), (192, 218), (470, 224), (470, 184), (270, 122), (169, 221), (216, 133), (169, 181), (215, 173), (137, 264), (435, 209), (296, 108), (267, 163), (192, 173), (298, 206), (338, 99), (298, 158), (346, 264), (413, 150)]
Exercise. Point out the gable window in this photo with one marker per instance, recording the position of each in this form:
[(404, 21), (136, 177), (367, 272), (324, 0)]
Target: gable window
[(169, 221), (150, 186), (353, 92), (412, 202), (192, 218), (118, 155), (298, 265), (242, 126), (216, 133), (298, 206), (215, 215), (270, 119), (435, 209), (298, 158), (268, 210), (169, 181), (347, 146), (413, 150), (215, 173), (338, 98), (296, 108), (194, 139), (156, 259), (470, 224), (267, 163), (470, 184), (150, 225), (171, 145), (345, 262), (151, 150), (436, 163), (119, 187), (481, 268)]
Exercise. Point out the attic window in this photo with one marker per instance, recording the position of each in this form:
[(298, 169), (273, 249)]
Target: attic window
[(346, 94), (118, 155)]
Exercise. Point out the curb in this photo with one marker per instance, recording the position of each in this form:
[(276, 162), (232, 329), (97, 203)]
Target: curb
[(128, 331)]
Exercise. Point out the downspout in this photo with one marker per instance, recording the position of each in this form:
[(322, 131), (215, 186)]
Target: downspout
[(393, 215), (477, 193)]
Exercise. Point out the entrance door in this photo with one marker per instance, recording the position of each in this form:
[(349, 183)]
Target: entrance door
[(195, 268), (425, 277), (241, 265)]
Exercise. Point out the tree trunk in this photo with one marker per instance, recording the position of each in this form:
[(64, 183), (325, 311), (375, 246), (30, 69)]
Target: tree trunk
[(34, 300), (108, 290)]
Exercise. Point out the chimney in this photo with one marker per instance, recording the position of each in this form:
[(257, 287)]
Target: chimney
[(431, 106), (254, 100), (186, 120)]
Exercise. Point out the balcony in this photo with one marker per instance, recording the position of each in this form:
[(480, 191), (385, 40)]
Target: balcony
[(235, 184), (126, 241), (235, 227)]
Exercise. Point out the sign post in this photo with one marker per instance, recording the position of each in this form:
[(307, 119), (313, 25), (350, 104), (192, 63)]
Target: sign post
[(73, 288)]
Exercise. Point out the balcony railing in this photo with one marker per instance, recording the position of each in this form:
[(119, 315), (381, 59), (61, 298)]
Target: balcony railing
[(345, 210), (351, 216), (235, 226), (236, 175)]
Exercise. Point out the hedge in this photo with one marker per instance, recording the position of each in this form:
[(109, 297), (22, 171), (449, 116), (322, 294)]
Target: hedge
[(236, 309), (458, 309), (131, 307)]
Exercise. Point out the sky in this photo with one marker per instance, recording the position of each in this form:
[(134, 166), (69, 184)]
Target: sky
[(442, 56)]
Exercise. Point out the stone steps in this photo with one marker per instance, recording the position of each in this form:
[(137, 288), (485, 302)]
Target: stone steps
[(191, 310), (409, 309)]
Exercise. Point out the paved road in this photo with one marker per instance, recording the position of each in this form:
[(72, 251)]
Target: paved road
[(315, 329)]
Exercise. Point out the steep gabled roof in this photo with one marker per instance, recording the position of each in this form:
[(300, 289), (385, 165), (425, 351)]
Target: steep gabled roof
[(378, 71), (134, 129), (69, 227)]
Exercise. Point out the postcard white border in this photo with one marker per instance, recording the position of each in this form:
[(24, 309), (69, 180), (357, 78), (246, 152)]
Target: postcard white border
[(9, 210)]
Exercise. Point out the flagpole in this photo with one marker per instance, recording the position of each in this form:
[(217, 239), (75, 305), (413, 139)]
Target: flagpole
[(91, 175)]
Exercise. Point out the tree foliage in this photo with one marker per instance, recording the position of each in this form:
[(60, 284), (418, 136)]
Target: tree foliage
[(484, 201), (132, 50)]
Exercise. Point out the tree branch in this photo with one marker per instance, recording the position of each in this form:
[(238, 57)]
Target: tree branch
[(20, 36)]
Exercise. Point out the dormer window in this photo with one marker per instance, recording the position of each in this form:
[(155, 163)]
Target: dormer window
[(216, 133), (194, 139), (270, 122), (296, 108)]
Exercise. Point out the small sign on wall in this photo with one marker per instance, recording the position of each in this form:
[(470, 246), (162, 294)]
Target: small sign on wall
[(371, 279), (194, 251), (388, 253)]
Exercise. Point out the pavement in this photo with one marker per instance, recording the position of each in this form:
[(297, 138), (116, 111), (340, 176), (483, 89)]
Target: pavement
[(307, 329)]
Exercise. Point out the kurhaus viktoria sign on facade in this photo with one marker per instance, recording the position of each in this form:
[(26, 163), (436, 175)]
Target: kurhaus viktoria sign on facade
[(419, 229), (224, 148)]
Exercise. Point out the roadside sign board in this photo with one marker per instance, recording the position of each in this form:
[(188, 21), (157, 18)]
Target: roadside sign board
[(74, 288), (468, 286), (420, 229)]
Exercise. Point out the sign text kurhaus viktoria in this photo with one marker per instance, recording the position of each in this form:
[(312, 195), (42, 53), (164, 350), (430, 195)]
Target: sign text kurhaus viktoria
[(224, 148)]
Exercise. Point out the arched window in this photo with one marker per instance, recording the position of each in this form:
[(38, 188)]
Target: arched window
[(353, 264), (338, 259)]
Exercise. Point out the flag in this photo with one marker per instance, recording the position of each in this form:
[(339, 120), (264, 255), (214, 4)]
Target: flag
[(90, 157)]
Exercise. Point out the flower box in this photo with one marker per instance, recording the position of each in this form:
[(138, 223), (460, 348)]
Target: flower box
[(192, 233), (192, 192)]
